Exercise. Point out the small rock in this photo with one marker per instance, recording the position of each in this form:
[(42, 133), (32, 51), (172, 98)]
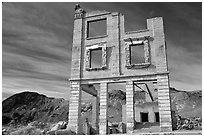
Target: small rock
[(4, 131), (109, 124)]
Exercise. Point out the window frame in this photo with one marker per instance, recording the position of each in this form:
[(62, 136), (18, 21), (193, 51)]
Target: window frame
[(137, 42), (101, 46)]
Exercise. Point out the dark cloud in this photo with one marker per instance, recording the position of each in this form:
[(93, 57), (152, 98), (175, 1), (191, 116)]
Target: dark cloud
[(37, 42)]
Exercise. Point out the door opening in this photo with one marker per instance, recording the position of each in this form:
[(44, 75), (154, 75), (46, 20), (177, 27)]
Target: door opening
[(144, 117)]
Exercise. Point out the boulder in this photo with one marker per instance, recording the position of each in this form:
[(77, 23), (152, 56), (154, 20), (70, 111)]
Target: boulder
[(59, 125)]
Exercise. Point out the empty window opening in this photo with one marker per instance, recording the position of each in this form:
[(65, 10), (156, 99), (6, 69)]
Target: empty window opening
[(96, 58), (156, 116), (137, 54), (96, 28), (144, 117)]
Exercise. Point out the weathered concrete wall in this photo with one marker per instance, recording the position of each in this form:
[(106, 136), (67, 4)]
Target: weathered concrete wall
[(103, 121), (130, 110), (115, 44), (116, 64), (75, 108), (164, 103), (149, 107)]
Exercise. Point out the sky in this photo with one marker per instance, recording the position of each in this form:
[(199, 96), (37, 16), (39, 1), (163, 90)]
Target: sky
[(37, 43)]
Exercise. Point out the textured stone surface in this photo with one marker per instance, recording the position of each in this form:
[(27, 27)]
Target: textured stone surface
[(116, 66), (103, 109), (130, 110), (164, 104), (59, 125), (75, 107)]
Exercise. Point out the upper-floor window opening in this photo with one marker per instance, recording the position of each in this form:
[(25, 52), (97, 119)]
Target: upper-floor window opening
[(137, 54), (96, 28), (96, 58)]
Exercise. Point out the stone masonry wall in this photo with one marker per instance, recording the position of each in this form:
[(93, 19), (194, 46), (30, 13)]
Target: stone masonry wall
[(116, 39)]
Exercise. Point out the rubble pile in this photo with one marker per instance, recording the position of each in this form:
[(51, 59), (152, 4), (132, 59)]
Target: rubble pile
[(189, 123)]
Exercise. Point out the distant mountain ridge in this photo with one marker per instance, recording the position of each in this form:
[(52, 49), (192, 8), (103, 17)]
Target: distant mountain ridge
[(31, 106), (27, 106)]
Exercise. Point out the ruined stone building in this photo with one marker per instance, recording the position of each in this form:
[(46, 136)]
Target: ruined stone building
[(115, 51)]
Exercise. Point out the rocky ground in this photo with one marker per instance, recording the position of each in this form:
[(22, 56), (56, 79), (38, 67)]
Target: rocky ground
[(35, 114)]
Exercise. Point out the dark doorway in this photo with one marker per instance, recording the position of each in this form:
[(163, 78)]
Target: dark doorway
[(156, 116), (144, 117)]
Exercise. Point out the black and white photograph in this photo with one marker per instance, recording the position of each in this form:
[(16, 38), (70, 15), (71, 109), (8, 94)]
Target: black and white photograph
[(102, 68)]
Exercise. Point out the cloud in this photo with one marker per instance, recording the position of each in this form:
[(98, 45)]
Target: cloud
[(185, 68), (35, 55), (37, 42)]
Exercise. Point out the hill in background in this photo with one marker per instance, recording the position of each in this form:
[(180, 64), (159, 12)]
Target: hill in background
[(26, 107)]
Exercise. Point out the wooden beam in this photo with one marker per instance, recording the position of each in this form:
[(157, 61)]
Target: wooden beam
[(145, 90), (150, 94)]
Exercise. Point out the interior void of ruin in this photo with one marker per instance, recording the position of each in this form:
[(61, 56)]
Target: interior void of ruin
[(103, 55)]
